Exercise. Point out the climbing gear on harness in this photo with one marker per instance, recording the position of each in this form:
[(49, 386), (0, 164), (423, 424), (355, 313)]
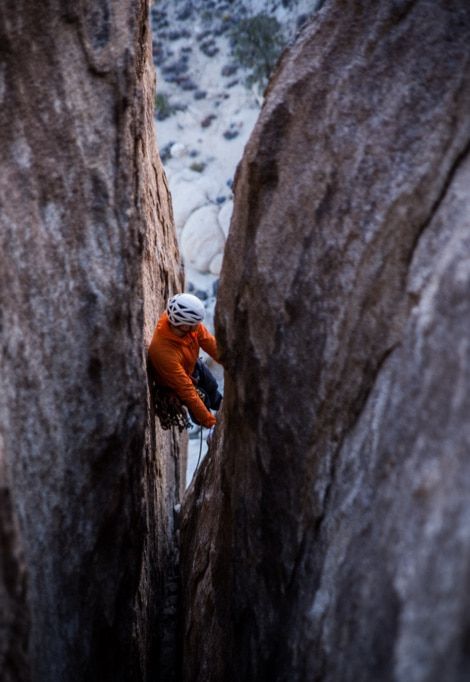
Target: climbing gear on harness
[(203, 395), (185, 309), (169, 409)]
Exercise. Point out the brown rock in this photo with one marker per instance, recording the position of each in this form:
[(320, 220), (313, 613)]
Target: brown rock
[(334, 516), (88, 256)]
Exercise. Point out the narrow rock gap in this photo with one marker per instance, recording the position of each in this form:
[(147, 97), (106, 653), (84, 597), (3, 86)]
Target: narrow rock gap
[(109, 569), (459, 159)]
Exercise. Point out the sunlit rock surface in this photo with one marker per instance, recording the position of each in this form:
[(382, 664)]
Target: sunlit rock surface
[(88, 256), (328, 536)]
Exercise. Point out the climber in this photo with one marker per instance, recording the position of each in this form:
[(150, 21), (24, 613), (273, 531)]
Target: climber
[(174, 353)]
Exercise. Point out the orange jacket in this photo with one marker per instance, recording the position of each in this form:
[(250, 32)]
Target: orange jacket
[(174, 359)]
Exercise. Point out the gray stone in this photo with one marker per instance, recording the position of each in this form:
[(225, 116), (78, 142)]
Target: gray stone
[(327, 534), (186, 84), (175, 35), (229, 70), (185, 13), (207, 120), (177, 68), (209, 48)]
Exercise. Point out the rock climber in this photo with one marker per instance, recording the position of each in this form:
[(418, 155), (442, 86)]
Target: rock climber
[(174, 353)]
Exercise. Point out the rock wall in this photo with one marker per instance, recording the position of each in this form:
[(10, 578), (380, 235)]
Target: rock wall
[(327, 535), (88, 256), (15, 618)]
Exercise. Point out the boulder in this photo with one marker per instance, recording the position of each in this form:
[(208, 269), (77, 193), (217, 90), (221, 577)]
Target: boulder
[(178, 150), (87, 478), (225, 215), (202, 238), (190, 190), (327, 535), (216, 264)]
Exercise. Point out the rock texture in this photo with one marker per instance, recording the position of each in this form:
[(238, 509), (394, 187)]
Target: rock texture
[(14, 627), (328, 536), (87, 250)]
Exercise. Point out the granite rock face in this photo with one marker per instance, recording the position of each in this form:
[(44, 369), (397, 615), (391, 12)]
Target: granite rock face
[(15, 618), (328, 536), (88, 255)]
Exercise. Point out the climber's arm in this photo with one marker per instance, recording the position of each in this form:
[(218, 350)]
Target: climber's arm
[(173, 375)]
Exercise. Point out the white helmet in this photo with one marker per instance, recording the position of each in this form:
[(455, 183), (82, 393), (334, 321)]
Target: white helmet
[(185, 309)]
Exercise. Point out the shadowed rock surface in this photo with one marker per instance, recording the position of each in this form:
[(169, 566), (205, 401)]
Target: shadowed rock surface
[(88, 256), (14, 627), (328, 536)]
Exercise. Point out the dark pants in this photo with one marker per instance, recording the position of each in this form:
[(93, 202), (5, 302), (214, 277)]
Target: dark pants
[(206, 383)]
